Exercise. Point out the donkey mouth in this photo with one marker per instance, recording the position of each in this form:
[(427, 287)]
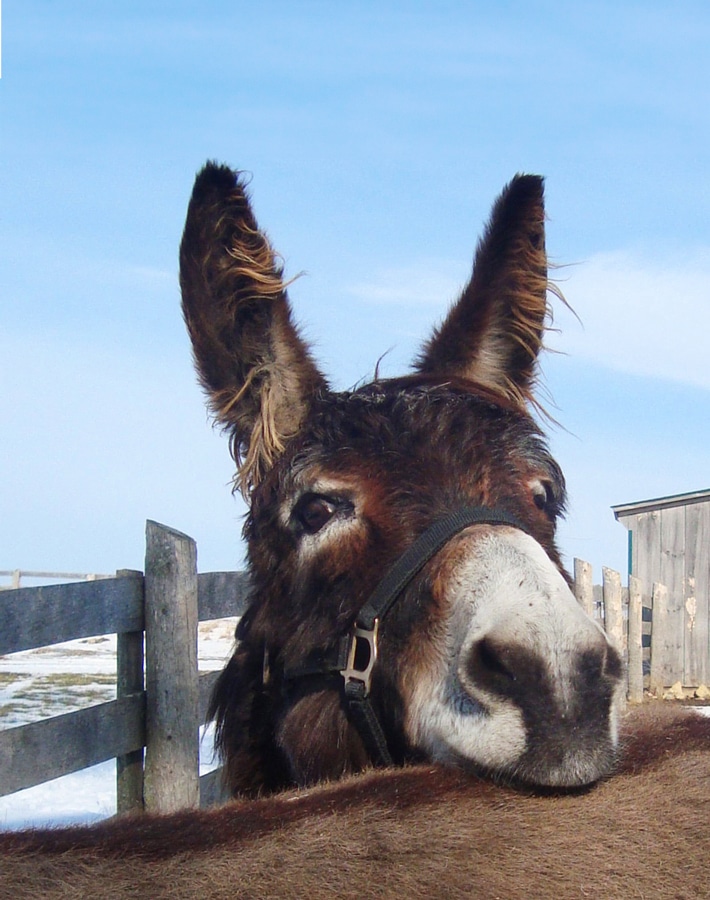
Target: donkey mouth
[(568, 762), (547, 744)]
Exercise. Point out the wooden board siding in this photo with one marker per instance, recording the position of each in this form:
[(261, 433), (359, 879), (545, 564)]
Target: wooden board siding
[(672, 575), (696, 593), (670, 545)]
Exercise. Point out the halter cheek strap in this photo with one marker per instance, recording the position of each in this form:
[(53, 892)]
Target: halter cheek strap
[(426, 546), (355, 655)]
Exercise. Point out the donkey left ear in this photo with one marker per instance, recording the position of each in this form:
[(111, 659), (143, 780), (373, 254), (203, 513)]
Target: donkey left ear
[(258, 373), (493, 334)]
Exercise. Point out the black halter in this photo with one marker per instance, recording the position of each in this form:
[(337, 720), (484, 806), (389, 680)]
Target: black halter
[(356, 652)]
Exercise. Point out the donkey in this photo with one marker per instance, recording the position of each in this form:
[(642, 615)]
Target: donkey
[(409, 602), (409, 607), (417, 832)]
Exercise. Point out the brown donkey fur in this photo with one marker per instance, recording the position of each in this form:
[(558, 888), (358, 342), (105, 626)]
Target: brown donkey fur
[(415, 832)]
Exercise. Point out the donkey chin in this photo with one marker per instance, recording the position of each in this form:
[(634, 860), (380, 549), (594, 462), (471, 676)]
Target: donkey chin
[(522, 685)]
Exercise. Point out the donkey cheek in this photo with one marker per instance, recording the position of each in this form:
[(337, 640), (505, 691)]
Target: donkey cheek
[(464, 733)]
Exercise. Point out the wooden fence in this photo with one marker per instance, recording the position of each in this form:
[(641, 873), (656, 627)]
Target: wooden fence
[(637, 619), (152, 728)]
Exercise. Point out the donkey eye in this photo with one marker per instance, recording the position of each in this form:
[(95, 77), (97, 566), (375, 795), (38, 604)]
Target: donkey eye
[(540, 496), (544, 498), (314, 511)]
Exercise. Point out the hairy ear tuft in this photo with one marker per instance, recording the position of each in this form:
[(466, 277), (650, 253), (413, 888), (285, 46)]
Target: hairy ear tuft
[(259, 375), (493, 334)]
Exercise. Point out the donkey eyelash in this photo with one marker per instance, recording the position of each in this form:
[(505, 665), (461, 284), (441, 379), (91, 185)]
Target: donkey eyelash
[(545, 498), (312, 511)]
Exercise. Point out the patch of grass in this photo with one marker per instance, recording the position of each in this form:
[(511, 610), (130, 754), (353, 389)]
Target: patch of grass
[(66, 688), (30, 695), (10, 677), (72, 679), (29, 699)]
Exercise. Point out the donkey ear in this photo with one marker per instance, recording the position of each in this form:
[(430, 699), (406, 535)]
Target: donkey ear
[(493, 334), (256, 370)]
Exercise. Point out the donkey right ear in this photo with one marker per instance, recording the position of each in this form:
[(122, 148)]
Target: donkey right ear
[(259, 375)]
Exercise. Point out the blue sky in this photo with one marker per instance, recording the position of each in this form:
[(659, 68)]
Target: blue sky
[(378, 135)]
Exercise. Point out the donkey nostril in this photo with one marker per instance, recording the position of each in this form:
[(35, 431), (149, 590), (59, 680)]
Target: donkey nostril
[(500, 665), (600, 663), (488, 659)]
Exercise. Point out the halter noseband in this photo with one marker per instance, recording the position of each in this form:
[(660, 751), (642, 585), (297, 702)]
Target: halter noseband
[(355, 654)]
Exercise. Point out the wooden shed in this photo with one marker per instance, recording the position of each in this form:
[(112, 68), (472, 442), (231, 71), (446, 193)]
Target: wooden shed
[(669, 543)]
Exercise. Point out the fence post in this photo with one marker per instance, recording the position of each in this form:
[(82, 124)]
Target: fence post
[(659, 627), (583, 588), (635, 659), (613, 609), (171, 779), (129, 680)]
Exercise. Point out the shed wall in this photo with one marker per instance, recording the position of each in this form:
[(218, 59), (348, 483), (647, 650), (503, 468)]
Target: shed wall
[(671, 545)]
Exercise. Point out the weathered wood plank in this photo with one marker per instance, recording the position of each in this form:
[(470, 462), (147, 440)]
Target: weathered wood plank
[(646, 547), (129, 680), (583, 587), (635, 642), (672, 574), (171, 759), (222, 594), (660, 670), (696, 595), (613, 609), (35, 753), (37, 616), (646, 565)]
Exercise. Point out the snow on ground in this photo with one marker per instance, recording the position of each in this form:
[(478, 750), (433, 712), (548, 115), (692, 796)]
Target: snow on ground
[(52, 680)]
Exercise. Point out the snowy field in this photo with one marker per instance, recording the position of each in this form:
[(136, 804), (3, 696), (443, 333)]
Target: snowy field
[(59, 679)]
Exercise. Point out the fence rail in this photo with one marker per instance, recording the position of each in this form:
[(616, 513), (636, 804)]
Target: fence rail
[(152, 726), (16, 576)]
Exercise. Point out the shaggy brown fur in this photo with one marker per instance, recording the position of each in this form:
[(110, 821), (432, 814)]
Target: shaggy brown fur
[(417, 832)]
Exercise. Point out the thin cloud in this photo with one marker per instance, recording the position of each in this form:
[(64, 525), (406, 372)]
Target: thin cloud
[(640, 316), (431, 283)]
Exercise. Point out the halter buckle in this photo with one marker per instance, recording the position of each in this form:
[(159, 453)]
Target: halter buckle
[(361, 655)]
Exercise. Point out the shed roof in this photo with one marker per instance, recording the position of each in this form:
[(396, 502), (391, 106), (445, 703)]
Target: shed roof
[(631, 509)]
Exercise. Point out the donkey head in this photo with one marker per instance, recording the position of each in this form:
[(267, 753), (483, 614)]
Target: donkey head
[(473, 651)]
